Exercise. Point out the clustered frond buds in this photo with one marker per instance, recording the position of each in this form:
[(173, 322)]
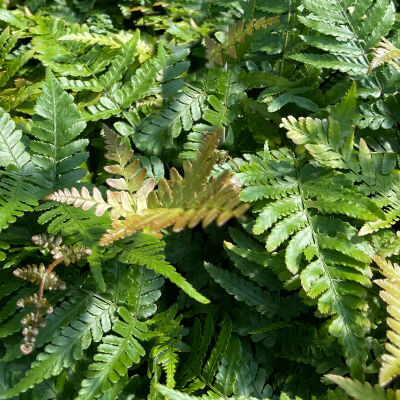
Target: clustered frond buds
[(42, 305), (37, 275), (47, 279), (32, 322), (69, 253)]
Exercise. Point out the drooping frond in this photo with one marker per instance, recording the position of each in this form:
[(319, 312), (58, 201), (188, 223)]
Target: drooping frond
[(390, 294), (146, 250), (385, 52)]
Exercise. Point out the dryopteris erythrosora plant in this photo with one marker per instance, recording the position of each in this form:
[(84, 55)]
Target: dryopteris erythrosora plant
[(291, 287)]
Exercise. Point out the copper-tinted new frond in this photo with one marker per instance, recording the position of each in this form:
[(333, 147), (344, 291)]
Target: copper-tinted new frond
[(185, 201), (120, 203), (385, 52), (122, 154), (236, 34), (178, 202), (391, 295)]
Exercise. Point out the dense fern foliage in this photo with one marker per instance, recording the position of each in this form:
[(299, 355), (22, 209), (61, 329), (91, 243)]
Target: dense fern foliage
[(199, 199)]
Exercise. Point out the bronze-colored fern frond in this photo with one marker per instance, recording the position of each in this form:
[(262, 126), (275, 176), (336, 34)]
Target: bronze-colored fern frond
[(122, 155), (385, 52), (391, 295), (179, 202)]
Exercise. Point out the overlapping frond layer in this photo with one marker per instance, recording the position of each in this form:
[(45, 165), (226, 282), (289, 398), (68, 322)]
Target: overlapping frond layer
[(391, 295), (332, 145)]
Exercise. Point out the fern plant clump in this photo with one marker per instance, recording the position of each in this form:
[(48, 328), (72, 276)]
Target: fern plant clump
[(199, 200)]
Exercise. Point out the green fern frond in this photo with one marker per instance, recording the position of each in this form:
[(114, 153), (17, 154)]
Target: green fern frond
[(328, 144), (359, 390), (390, 294), (159, 129), (19, 192), (244, 290), (114, 355), (56, 126), (146, 250), (329, 255), (345, 30), (67, 346), (218, 351), (76, 224), (113, 41)]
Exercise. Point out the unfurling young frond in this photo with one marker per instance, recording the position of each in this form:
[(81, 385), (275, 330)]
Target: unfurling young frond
[(46, 279), (391, 295), (385, 52), (179, 202)]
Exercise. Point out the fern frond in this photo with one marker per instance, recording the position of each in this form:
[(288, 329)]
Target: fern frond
[(305, 236), (159, 129), (79, 226), (244, 290), (390, 362), (146, 250), (121, 154), (217, 52), (226, 376), (357, 389), (114, 355), (68, 310), (56, 126), (18, 191), (113, 41), (328, 144), (181, 201), (385, 52), (345, 32), (142, 291), (67, 346), (12, 150)]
